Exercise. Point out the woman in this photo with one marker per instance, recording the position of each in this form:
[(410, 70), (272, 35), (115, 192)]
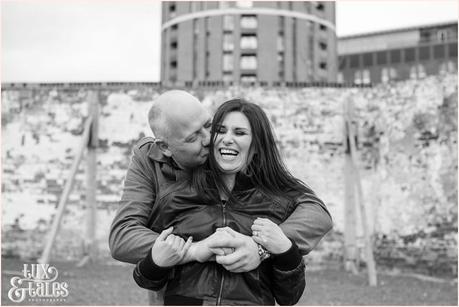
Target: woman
[(244, 179)]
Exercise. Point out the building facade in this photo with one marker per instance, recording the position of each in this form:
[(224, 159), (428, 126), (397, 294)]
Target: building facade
[(242, 41), (400, 54)]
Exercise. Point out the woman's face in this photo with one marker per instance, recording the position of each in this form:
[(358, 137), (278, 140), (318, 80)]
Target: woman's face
[(232, 143)]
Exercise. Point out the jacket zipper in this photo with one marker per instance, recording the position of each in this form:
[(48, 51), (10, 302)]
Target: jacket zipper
[(219, 298)]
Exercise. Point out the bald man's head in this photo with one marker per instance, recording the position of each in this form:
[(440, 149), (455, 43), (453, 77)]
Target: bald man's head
[(181, 126), (167, 107)]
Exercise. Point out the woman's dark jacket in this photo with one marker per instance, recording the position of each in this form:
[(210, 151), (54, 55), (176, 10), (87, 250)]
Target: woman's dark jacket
[(280, 277)]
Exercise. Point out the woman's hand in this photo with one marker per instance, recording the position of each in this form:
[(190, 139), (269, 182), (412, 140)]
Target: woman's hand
[(169, 249), (267, 233)]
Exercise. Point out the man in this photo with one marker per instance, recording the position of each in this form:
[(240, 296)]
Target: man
[(181, 126)]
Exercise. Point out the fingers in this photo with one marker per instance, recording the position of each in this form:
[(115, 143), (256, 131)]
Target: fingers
[(262, 221), (229, 231), (228, 260), (259, 240), (176, 243), (217, 251), (222, 239), (187, 245), (165, 233)]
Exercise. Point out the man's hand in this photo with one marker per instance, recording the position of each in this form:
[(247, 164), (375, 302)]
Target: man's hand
[(245, 256), (202, 251), (168, 249), (270, 235)]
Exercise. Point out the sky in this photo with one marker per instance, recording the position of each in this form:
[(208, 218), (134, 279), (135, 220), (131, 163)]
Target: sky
[(119, 40)]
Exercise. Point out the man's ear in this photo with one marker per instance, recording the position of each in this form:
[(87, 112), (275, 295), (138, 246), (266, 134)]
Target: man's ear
[(163, 147)]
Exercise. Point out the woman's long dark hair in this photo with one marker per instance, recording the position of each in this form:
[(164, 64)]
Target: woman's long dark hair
[(266, 170)]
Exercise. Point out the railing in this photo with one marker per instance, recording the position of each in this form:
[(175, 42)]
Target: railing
[(182, 84)]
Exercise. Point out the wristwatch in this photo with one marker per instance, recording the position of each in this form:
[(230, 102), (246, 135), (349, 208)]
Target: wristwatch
[(263, 253)]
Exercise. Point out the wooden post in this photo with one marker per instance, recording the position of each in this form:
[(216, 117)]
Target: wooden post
[(371, 267), (350, 218), (90, 246), (65, 194)]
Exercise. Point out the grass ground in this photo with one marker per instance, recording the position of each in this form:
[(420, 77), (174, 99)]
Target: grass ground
[(109, 284)]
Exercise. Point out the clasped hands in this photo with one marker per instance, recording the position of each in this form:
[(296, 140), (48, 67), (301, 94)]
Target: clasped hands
[(234, 251)]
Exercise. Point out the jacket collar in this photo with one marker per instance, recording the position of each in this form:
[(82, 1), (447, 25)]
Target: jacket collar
[(168, 166), (157, 155)]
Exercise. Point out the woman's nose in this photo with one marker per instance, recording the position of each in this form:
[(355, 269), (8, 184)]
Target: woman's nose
[(227, 139)]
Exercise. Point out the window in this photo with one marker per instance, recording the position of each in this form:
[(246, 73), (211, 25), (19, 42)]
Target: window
[(174, 64), (249, 22), (280, 42), (417, 71), (340, 77), (395, 56), (366, 76), (421, 71), (320, 6), (322, 27), (323, 65), (227, 76), (228, 43), (248, 78), (172, 10), (409, 55), (381, 58), (224, 4), (442, 35), (385, 75), (367, 59), (354, 61), (228, 22), (362, 76), (452, 50), (323, 46), (388, 73), (281, 63), (451, 66), (357, 77), (249, 42), (342, 63), (424, 53), (228, 61), (248, 62), (244, 4), (413, 73), (174, 45), (195, 6), (439, 51)]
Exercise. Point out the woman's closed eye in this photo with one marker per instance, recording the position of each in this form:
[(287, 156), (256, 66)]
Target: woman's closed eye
[(221, 129)]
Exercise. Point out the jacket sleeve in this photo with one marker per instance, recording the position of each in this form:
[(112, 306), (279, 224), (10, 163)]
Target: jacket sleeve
[(130, 238), (308, 223), (147, 274), (289, 278)]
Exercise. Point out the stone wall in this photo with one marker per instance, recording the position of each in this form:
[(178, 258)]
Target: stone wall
[(407, 149)]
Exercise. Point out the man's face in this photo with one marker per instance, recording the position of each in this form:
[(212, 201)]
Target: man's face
[(189, 138)]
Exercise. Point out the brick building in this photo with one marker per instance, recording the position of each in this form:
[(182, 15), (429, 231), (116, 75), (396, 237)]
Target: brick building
[(242, 41), (398, 54)]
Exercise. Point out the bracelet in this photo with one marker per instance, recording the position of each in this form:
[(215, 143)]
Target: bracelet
[(263, 253)]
